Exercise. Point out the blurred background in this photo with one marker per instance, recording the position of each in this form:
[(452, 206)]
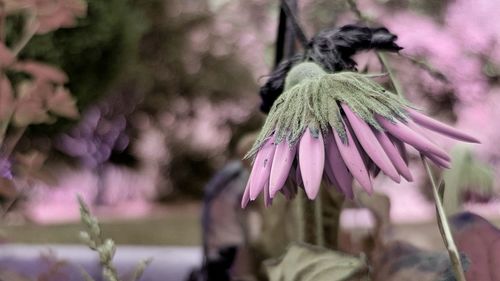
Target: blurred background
[(166, 89)]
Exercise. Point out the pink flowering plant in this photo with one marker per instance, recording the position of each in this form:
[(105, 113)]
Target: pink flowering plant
[(31, 92), (330, 125)]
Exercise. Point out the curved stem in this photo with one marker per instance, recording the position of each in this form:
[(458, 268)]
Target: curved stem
[(444, 228), (297, 29), (394, 81)]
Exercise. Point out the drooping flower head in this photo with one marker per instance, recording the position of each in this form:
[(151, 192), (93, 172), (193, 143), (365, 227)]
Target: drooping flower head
[(338, 127)]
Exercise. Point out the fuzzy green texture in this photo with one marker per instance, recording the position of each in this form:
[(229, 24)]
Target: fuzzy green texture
[(312, 98)]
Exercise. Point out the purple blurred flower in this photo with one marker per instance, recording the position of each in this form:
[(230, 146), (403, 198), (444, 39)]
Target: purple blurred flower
[(101, 131), (5, 169)]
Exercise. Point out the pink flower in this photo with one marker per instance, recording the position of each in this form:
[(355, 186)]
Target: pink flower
[(353, 129)]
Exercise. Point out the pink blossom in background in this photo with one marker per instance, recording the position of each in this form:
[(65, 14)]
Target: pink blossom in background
[(248, 26), (480, 33)]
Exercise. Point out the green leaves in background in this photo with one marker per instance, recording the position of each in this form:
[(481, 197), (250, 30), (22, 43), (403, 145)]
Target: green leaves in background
[(467, 174), (304, 262)]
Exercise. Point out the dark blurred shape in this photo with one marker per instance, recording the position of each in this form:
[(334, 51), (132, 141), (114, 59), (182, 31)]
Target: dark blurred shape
[(223, 230), (333, 49), (480, 241), (402, 261)]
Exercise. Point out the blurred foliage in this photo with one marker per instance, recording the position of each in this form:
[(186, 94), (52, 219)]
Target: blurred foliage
[(93, 53), (468, 179), (176, 66), (184, 58), (303, 262)]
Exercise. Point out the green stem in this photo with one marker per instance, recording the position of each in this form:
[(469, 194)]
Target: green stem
[(444, 228), (318, 221), (392, 76), (307, 220), (331, 205)]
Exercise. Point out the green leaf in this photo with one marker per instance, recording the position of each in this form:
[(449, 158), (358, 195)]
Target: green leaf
[(467, 173), (304, 262)]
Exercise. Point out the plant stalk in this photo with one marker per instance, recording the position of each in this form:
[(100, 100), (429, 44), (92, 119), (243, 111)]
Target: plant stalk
[(444, 227)]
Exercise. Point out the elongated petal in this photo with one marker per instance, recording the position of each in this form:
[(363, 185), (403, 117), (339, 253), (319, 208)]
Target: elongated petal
[(370, 144), (434, 125), (282, 162), (393, 153), (404, 133), (328, 173), (401, 148), (311, 162), (261, 168), (246, 196), (438, 161), (329, 177), (353, 160), (267, 196), (339, 170), (419, 130)]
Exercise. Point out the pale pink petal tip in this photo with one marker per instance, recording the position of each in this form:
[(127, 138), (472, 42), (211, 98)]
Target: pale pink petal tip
[(439, 161), (282, 163), (246, 196), (311, 162), (370, 144), (444, 129), (261, 169), (409, 136)]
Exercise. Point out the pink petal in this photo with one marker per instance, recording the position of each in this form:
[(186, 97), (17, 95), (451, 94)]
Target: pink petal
[(261, 168), (353, 160), (370, 144), (393, 153), (438, 161), (339, 170), (311, 162), (329, 177), (434, 125), (401, 148), (282, 162), (246, 196), (328, 174), (404, 133), (267, 196)]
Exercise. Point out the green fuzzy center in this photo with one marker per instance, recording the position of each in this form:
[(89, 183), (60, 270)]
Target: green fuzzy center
[(312, 100)]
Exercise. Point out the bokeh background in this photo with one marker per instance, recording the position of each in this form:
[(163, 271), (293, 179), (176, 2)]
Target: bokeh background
[(167, 88)]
